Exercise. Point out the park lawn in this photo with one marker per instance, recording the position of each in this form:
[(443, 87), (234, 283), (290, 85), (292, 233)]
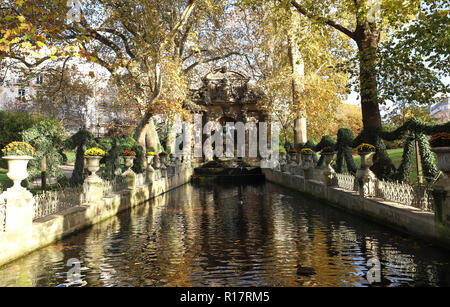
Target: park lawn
[(71, 156)]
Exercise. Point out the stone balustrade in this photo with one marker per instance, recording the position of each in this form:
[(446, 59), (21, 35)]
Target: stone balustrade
[(410, 209), (22, 231)]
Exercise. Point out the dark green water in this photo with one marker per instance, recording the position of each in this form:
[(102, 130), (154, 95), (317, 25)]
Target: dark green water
[(259, 235)]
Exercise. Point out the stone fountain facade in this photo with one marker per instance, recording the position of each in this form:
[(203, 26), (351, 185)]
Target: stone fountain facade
[(227, 96)]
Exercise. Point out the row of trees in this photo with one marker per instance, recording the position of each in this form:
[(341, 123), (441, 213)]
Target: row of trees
[(305, 54)]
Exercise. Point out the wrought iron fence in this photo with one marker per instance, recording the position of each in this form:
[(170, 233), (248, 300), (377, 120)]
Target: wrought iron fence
[(110, 187), (2, 215), (419, 196), (53, 202), (346, 182)]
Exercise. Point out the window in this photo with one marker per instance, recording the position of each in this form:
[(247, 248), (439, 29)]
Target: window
[(22, 93), (39, 79)]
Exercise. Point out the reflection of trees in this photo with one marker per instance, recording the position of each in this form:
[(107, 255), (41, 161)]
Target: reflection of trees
[(101, 242)]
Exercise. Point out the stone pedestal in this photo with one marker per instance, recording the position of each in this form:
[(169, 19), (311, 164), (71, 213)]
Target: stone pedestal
[(441, 192), (364, 176), (129, 175), (329, 172), (307, 166), (19, 210), (92, 191), (150, 172)]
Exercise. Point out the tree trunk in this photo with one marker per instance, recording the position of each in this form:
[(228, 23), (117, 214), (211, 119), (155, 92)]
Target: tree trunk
[(142, 128), (152, 138), (367, 39), (298, 74)]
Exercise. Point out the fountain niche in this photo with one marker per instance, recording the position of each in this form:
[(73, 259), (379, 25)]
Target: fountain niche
[(227, 97)]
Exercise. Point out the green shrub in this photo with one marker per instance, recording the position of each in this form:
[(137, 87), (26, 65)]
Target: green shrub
[(12, 124), (47, 138)]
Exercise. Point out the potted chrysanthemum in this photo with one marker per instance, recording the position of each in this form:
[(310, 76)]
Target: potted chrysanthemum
[(366, 152), (93, 157), (307, 155), (17, 154), (129, 156)]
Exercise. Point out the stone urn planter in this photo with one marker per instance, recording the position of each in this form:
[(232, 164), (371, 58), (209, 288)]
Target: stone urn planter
[(307, 160), (366, 162), (293, 156), (150, 169), (129, 174), (443, 159), (329, 171), (150, 159), (129, 162), (17, 169), (307, 165), (93, 165)]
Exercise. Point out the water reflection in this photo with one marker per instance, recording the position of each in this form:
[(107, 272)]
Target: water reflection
[(233, 236)]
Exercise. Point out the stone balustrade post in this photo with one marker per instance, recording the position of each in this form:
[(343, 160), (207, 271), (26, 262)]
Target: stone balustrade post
[(18, 200), (329, 173), (308, 166), (19, 211), (365, 178), (292, 164), (129, 174), (93, 184), (441, 193), (441, 205), (150, 171)]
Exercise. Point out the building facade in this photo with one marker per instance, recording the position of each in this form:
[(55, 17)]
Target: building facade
[(441, 109)]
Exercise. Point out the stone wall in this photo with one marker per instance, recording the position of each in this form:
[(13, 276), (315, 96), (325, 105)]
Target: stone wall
[(22, 235), (407, 219)]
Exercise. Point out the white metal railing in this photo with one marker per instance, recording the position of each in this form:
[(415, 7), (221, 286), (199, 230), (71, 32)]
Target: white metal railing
[(53, 202), (113, 186), (2, 215), (140, 179), (419, 196), (346, 182)]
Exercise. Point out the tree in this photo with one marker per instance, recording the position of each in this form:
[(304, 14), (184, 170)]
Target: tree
[(364, 22), (348, 116), (145, 46), (47, 138), (414, 61), (31, 31), (65, 94), (291, 60)]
